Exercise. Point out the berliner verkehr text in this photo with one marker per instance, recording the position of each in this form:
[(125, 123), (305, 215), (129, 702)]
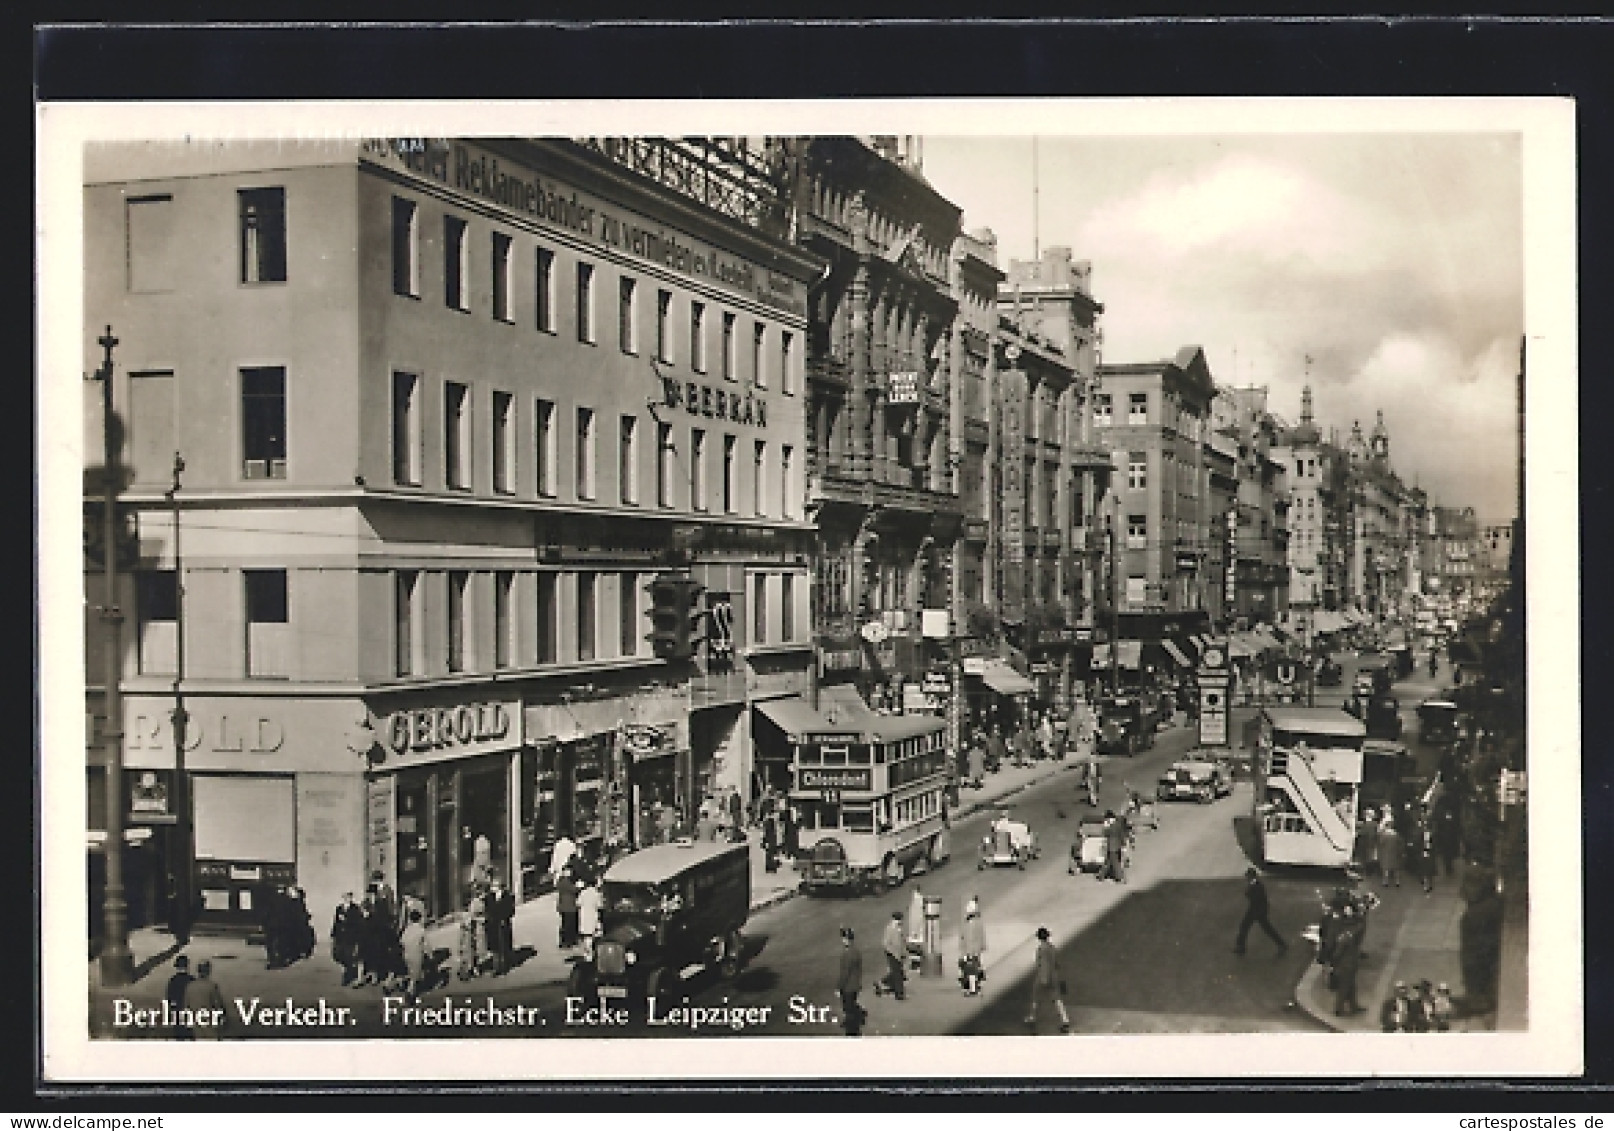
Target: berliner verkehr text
[(248, 1011)]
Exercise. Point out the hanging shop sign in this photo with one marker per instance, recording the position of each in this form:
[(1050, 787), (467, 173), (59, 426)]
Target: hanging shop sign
[(715, 402), (902, 389), (720, 628), (1230, 589), (875, 632), (149, 796), (1012, 529), (839, 654), (638, 740)]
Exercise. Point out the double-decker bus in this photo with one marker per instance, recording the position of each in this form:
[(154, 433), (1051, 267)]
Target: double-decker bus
[(871, 790), (1308, 782)]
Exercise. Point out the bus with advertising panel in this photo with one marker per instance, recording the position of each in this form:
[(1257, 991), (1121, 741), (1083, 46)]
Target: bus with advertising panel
[(1308, 782)]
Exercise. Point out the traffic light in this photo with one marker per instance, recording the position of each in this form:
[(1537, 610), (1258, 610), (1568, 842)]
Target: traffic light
[(673, 615)]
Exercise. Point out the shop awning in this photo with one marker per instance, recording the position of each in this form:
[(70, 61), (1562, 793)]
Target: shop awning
[(1131, 655), (1003, 679), (1175, 652)]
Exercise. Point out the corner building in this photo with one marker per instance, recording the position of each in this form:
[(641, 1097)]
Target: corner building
[(446, 408)]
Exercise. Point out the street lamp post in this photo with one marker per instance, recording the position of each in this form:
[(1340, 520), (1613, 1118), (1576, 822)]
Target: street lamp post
[(180, 908), (117, 964)]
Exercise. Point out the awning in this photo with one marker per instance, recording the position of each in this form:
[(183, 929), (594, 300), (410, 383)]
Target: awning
[(1175, 652), (1003, 679), (1131, 655)]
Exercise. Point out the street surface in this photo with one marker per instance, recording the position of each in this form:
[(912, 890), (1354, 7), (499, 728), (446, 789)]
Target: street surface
[(1151, 955)]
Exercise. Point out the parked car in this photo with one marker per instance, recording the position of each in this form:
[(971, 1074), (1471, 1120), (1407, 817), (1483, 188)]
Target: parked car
[(1123, 727), (1195, 779), (1437, 721), (667, 908)]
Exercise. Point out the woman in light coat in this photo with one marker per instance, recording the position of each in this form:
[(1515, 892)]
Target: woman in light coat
[(971, 945)]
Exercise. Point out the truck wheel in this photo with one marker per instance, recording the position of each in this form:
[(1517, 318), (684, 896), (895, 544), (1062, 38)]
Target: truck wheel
[(729, 965), (658, 982)]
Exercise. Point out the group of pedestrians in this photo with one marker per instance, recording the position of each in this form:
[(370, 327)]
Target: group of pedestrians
[(898, 948), (288, 930), (368, 938), (1419, 1008), (578, 898), (1424, 836)]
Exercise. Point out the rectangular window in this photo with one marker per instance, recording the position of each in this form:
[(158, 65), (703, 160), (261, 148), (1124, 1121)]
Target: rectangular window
[(263, 422), (628, 460), (586, 612), (629, 628), (458, 643), (787, 474), (730, 362), (585, 453), (546, 290), (787, 362), (731, 477), (405, 250), (263, 235), (548, 618), (455, 254), (1137, 590), (151, 246), (545, 443), (1102, 408), (666, 455), (697, 469), (504, 584), (626, 317), (759, 608), (456, 435), (406, 619), (585, 302), (406, 429), (501, 277), (759, 479), (268, 638), (697, 336), (664, 325), (504, 431), (1137, 470), (759, 370), (1137, 408), (157, 610), (1137, 531), (787, 608)]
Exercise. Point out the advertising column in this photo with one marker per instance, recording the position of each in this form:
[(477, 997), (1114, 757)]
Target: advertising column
[(1214, 686)]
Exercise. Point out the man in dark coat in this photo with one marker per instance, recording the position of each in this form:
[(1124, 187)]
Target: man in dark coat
[(274, 926), (849, 983), (175, 996), (1047, 981), (346, 926), (1255, 913), (566, 889), (1480, 944), (770, 843), (1448, 836), (500, 910), (1347, 960)]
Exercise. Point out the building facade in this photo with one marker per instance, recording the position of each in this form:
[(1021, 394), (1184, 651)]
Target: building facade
[(446, 409)]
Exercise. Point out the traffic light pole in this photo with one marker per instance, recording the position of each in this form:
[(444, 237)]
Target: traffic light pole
[(180, 908)]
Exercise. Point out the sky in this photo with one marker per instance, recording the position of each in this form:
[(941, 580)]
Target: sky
[(1394, 261)]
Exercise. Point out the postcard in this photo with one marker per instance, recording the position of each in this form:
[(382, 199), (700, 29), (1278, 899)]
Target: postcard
[(566, 591)]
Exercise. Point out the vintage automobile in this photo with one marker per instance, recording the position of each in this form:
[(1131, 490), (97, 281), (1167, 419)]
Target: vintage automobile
[(1382, 717), (1329, 673), (1437, 721), (1195, 779), (1124, 727), (1400, 662), (1386, 766), (1008, 842), (666, 909), (1373, 676)]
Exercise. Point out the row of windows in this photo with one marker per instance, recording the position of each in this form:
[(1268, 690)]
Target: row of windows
[(265, 641), (1137, 412), (760, 357), (151, 241), (773, 489)]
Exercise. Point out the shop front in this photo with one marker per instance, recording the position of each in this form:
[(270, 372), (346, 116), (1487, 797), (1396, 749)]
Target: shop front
[(996, 695), (273, 796), (439, 798)]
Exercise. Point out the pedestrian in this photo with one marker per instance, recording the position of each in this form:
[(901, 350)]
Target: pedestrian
[(205, 1004), (1255, 913), (1448, 836), (792, 818), (1115, 834), (415, 953), (299, 925), (1390, 853), (997, 752), (1047, 981), (1396, 1014), (1022, 746), (971, 946), (566, 889), (473, 930), (501, 912), (976, 763), (849, 983), (1347, 960), (1045, 737), (273, 925), (1421, 852), (770, 843), (736, 812), (1094, 776), (175, 996), (346, 924), (894, 943), (1367, 843), (1441, 1008), (589, 903), (386, 900), (373, 942)]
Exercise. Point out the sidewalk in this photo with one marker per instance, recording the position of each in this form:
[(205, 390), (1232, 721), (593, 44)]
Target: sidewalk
[(1410, 937), (240, 966)]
